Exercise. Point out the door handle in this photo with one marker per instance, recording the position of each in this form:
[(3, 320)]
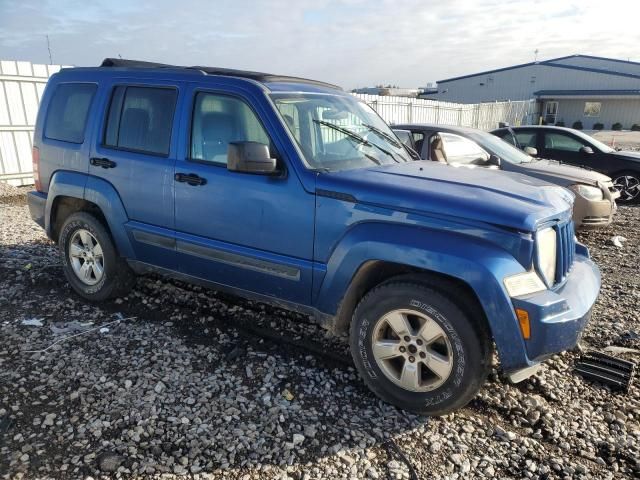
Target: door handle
[(190, 178), (102, 162)]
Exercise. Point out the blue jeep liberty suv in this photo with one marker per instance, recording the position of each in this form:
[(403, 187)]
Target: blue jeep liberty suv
[(293, 192)]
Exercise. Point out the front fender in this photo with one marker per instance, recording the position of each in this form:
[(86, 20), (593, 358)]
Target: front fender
[(476, 262)]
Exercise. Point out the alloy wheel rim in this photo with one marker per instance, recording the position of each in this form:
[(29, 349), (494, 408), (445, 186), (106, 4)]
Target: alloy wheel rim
[(412, 350), (87, 259), (628, 186)]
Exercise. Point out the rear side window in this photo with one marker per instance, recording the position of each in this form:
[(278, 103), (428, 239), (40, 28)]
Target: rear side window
[(140, 119), (68, 112)]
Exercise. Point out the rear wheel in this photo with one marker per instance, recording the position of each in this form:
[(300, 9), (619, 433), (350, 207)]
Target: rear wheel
[(628, 184), (417, 349), (90, 261)]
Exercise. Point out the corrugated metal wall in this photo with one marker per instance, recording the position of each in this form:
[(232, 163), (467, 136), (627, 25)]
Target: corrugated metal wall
[(21, 87)]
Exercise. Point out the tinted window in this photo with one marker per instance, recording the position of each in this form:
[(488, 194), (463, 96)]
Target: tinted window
[(559, 141), (140, 119), (526, 139), (219, 120), (68, 111), (506, 136), (460, 150)]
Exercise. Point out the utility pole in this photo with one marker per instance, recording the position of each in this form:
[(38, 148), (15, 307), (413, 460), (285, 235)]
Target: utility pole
[(49, 49), (535, 55)]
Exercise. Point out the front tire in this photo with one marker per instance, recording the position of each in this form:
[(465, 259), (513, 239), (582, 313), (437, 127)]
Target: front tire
[(90, 260), (417, 349), (628, 184)]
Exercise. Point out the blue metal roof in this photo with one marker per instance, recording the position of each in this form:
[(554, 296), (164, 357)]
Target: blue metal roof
[(551, 63), (599, 93)]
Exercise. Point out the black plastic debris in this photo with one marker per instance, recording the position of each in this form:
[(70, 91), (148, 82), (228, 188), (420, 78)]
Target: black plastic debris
[(606, 369)]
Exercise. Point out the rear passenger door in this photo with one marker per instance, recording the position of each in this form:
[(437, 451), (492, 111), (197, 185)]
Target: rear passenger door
[(246, 231), (135, 151)]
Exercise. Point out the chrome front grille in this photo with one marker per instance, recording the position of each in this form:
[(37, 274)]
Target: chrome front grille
[(566, 250)]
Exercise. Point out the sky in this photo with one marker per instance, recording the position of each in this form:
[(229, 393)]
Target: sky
[(351, 43)]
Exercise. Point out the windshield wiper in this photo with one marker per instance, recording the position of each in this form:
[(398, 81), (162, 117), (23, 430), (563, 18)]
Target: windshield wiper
[(384, 135), (346, 131), (360, 139)]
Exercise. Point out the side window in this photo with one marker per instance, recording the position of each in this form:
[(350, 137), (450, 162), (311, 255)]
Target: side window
[(140, 119), (219, 120), (526, 139), (418, 140), (462, 151), (68, 112), (507, 137), (559, 141)]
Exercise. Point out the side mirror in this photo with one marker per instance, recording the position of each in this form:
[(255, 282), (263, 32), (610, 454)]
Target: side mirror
[(495, 160), (586, 150), (531, 151), (250, 157)]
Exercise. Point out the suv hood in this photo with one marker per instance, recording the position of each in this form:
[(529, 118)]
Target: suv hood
[(563, 174), (500, 198)]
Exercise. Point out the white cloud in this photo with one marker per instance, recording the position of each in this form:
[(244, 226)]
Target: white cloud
[(352, 43)]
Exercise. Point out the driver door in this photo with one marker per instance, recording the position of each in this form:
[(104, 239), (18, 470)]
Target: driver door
[(567, 148), (248, 232)]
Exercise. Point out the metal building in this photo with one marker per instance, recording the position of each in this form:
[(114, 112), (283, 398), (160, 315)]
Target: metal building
[(576, 88)]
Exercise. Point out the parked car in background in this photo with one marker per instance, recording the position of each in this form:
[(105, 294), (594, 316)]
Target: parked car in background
[(293, 192), (461, 146), (574, 147)]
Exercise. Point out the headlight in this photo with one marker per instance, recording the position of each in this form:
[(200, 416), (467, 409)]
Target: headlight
[(524, 284), (588, 192), (547, 245)]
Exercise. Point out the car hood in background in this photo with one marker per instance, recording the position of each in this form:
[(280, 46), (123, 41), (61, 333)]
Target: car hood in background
[(500, 198), (627, 155), (561, 174)]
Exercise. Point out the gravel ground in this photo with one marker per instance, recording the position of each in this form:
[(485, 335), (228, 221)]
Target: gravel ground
[(179, 381)]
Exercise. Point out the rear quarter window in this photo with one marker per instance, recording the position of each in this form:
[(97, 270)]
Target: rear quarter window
[(68, 112)]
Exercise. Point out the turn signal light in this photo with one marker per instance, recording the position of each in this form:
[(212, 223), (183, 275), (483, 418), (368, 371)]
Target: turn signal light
[(525, 325)]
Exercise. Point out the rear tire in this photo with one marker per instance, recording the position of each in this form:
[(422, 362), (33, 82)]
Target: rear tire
[(90, 260), (436, 365), (628, 184)]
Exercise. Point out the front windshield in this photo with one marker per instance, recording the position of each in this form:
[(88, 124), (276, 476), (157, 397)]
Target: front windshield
[(338, 132), (499, 147), (596, 143)]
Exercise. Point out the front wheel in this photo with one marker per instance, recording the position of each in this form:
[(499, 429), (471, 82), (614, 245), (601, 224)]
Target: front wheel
[(417, 349), (90, 260), (628, 184)]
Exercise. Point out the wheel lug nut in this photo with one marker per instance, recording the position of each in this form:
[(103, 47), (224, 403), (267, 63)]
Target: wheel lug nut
[(419, 342), (407, 339), (412, 359), (423, 355), (402, 349)]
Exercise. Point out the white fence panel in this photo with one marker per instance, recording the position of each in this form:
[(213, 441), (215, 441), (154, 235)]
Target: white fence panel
[(485, 116), (21, 88)]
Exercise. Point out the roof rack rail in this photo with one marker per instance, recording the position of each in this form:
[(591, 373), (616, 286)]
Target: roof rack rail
[(258, 76)]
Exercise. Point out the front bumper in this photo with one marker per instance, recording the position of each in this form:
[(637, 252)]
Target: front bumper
[(559, 316), (589, 213), (37, 202)]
